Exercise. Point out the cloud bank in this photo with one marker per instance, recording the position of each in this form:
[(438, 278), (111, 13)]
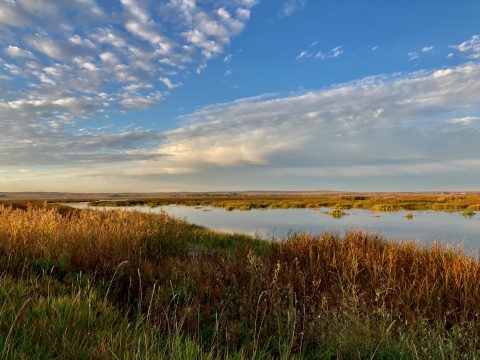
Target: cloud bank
[(421, 126)]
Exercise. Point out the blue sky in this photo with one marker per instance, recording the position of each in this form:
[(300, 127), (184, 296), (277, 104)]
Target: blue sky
[(142, 95)]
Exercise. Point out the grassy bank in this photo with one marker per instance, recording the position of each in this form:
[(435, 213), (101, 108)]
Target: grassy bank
[(120, 285), (434, 202)]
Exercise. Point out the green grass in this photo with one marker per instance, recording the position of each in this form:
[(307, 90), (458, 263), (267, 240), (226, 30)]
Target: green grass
[(468, 213)]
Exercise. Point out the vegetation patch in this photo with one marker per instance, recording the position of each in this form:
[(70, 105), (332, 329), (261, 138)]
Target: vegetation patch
[(468, 213), (345, 202), (117, 284), (336, 213)]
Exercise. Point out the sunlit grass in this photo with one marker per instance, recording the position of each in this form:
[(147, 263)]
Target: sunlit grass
[(115, 284), (375, 203), (336, 213)]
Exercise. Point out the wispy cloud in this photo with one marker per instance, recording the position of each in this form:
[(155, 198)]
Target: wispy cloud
[(337, 51), (289, 6), (412, 111), (374, 48), (471, 46), (427, 48), (320, 55), (413, 55), (169, 84), (303, 54), (201, 68)]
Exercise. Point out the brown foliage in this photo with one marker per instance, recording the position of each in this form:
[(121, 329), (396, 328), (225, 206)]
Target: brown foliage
[(301, 290)]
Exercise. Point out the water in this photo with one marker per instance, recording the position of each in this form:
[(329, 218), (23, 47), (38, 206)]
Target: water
[(426, 226)]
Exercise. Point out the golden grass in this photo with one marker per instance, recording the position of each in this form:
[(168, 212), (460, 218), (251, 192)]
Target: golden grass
[(339, 294), (375, 203)]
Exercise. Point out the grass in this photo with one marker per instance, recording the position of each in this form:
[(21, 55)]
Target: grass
[(113, 284), (410, 202), (336, 213), (468, 213)]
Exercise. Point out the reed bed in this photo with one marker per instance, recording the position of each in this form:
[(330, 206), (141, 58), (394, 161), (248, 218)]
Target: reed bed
[(344, 202), (164, 288)]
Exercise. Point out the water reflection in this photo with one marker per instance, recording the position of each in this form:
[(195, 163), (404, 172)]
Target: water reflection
[(426, 226)]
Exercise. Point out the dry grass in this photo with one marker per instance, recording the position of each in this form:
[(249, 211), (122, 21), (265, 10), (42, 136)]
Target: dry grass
[(376, 203), (327, 296)]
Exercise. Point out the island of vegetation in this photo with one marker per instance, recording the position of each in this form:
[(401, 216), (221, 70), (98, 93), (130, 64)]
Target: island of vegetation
[(85, 284), (436, 202)]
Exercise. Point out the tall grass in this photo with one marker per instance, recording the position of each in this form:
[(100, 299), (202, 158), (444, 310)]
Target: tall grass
[(126, 284)]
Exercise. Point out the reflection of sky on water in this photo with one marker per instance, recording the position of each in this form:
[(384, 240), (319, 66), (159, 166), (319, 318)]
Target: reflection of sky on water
[(427, 226)]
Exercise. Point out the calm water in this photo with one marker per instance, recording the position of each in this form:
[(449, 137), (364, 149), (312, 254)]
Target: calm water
[(451, 228)]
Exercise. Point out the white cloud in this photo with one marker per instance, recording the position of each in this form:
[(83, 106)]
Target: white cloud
[(374, 48), (136, 10), (242, 14), (441, 73), (92, 7), (228, 72), (43, 7), (168, 72), (110, 36), (427, 48), (465, 120), (320, 55), (449, 56), (109, 58), (472, 46), (130, 102), (228, 58), (16, 52), (90, 50), (134, 88), (302, 55), (289, 6), (12, 14), (337, 51), (391, 126), (208, 30), (47, 46), (407, 132), (169, 84), (201, 68), (84, 60), (413, 55)]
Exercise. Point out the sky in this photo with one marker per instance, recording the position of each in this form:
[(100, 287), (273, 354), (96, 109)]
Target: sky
[(225, 95)]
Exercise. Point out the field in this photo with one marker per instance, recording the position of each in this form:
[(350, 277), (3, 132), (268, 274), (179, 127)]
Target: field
[(120, 285)]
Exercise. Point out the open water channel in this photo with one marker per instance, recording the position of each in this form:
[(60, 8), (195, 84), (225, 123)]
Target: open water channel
[(425, 226)]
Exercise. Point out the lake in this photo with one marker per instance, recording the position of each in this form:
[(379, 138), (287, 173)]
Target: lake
[(426, 226)]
